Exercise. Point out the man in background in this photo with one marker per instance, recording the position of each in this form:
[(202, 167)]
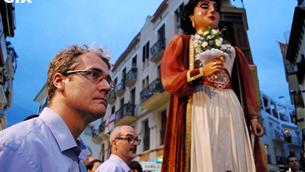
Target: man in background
[(124, 142), (293, 164)]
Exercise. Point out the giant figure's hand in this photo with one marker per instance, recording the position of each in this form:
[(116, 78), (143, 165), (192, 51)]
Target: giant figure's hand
[(257, 128), (213, 66)]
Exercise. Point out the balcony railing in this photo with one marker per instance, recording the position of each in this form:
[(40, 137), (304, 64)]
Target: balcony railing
[(153, 88), (101, 128), (156, 51), (131, 77), (120, 88), (278, 135), (111, 97), (125, 115)]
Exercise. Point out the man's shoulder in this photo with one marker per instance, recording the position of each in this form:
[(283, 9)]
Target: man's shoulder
[(113, 164), (21, 134), (110, 166)]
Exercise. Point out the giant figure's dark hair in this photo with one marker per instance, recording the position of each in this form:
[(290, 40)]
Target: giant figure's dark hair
[(188, 10)]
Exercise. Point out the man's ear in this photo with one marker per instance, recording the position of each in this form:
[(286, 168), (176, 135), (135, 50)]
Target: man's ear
[(58, 81)]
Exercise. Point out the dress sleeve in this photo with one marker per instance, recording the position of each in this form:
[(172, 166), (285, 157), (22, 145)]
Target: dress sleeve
[(173, 69)]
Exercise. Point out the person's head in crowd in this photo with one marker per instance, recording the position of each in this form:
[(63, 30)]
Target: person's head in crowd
[(93, 165), (124, 142), (293, 163), (135, 166), (88, 159)]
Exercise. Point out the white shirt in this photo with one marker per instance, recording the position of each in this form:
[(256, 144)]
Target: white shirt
[(113, 164), (42, 144)]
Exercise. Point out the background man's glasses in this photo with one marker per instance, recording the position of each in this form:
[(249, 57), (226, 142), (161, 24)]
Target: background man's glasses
[(130, 140), (93, 74)]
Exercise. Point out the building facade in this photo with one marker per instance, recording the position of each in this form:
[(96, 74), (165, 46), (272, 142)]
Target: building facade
[(8, 57), (139, 99), (282, 136), (294, 62)]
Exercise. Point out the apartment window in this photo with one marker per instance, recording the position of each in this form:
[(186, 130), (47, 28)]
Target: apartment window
[(121, 102), (146, 138), (163, 126), (301, 69), (178, 18), (103, 152), (274, 109), (133, 96), (113, 110), (134, 61), (161, 34), (115, 80), (145, 82), (124, 74), (145, 54)]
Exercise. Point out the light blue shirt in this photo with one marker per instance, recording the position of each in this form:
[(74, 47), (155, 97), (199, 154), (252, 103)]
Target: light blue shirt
[(113, 164), (43, 144)]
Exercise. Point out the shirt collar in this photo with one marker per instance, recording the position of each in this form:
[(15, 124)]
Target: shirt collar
[(118, 159), (59, 129)]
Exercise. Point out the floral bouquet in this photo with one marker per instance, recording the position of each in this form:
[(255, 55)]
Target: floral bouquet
[(209, 44)]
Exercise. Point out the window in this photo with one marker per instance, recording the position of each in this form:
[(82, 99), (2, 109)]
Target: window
[(103, 152), (301, 69), (178, 18), (161, 35), (163, 126), (113, 110), (121, 102), (133, 96), (134, 61), (115, 80), (145, 82), (124, 74), (146, 138), (145, 54)]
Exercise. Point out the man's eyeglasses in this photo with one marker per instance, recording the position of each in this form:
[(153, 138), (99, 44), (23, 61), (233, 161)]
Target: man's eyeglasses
[(130, 139), (93, 74), (205, 5)]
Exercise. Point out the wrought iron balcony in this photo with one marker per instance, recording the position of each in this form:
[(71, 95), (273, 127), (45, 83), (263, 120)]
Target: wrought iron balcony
[(102, 133), (101, 128), (131, 77), (111, 97), (120, 88), (125, 115), (153, 95), (156, 51), (278, 135), (151, 89)]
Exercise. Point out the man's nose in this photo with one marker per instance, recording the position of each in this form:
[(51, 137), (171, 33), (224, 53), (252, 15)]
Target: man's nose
[(104, 85)]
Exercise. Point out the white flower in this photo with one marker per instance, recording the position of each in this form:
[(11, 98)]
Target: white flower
[(204, 44), (218, 42), (205, 33), (215, 31)]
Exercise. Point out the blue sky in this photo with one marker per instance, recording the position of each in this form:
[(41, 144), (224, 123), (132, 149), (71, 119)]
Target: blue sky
[(45, 26)]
